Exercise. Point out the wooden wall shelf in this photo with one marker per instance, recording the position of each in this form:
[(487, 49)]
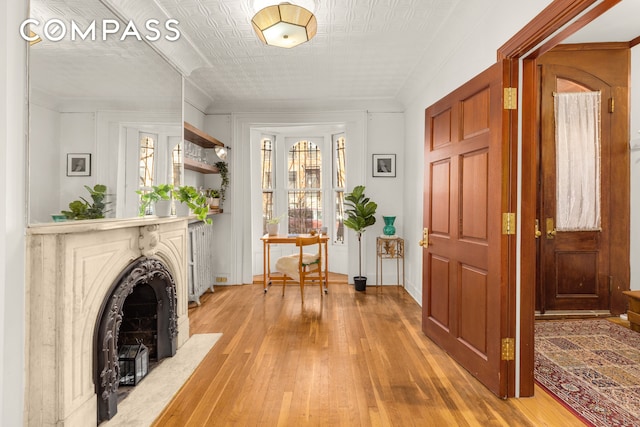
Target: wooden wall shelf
[(193, 165), (195, 135)]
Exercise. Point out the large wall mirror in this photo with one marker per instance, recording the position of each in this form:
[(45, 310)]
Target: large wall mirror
[(100, 112)]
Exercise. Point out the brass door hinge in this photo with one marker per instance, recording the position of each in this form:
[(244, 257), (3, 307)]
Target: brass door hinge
[(507, 351), (509, 223), (510, 98), (612, 105)]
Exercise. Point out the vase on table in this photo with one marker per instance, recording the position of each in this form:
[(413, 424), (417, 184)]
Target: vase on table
[(389, 229)]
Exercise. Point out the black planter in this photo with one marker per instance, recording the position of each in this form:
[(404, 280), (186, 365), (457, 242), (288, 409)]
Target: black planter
[(360, 282)]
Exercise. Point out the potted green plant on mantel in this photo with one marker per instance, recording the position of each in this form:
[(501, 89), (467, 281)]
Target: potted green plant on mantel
[(83, 209), (163, 194), (360, 214), (160, 196), (191, 200)]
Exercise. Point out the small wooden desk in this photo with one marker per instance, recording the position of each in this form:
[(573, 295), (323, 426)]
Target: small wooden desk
[(290, 239)]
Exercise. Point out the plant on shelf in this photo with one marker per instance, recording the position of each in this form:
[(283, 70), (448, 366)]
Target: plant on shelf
[(213, 198), (83, 209), (224, 174), (360, 214), (196, 201), (157, 193)]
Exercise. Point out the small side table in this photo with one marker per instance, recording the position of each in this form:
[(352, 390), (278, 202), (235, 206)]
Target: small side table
[(389, 247)]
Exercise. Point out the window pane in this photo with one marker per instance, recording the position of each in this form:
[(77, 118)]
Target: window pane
[(304, 201), (147, 146), (176, 161), (267, 184), (267, 209), (305, 163), (339, 232), (340, 177), (305, 211), (340, 162), (267, 164)]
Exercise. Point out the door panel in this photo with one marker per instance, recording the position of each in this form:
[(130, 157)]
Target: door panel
[(464, 297), (576, 270)]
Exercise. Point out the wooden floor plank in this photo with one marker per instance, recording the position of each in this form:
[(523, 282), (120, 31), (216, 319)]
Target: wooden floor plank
[(347, 358)]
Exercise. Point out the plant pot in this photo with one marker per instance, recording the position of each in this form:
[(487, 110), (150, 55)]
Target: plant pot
[(214, 203), (182, 209), (163, 208), (273, 229), (360, 283)]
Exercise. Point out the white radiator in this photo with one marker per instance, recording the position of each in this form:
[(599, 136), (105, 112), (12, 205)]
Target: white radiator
[(201, 260)]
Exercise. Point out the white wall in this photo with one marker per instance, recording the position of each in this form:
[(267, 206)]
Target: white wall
[(385, 135), (453, 65), (45, 164), (12, 212), (635, 167), (77, 135)]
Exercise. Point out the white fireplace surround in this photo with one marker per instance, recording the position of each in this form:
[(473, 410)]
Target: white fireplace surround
[(71, 268)]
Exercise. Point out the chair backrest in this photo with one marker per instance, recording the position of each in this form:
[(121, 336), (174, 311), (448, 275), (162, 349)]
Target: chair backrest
[(306, 241), (301, 242)]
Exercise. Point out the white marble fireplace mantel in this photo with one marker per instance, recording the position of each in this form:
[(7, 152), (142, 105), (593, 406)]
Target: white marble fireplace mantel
[(71, 268)]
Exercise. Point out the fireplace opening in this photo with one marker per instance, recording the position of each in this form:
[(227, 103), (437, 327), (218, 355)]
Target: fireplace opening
[(140, 320), (139, 309)]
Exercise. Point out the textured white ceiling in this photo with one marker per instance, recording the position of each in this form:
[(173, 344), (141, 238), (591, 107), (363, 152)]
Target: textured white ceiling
[(365, 52), (363, 49), (111, 74)]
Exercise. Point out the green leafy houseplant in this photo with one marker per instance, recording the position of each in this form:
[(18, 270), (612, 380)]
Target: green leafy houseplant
[(83, 209), (224, 174), (213, 193), (196, 201), (158, 192), (360, 214)]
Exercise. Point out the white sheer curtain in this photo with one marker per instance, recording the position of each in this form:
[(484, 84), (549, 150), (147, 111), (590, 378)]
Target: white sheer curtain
[(577, 161)]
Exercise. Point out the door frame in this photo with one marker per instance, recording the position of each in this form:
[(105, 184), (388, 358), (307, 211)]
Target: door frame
[(556, 22)]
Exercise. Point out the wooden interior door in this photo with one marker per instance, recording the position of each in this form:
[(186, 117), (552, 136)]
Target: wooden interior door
[(464, 307), (577, 270)]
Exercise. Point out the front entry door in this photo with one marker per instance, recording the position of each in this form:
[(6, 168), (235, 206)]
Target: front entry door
[(576, 269), (465, 259)]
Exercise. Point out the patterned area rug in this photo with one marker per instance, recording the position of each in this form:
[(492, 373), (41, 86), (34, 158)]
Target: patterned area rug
[(593, 367)]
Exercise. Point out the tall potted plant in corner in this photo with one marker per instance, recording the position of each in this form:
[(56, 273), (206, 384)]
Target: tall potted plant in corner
[(360, 214)]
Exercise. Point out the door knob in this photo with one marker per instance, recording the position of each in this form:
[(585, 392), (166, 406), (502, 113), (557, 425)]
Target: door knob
[(537, 233), (425, 238)]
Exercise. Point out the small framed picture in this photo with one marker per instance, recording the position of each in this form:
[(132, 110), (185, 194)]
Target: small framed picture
[(78, 164), (384, 165)]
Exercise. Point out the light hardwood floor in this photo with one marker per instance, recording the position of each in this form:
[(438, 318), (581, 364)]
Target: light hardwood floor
[(349, 358)]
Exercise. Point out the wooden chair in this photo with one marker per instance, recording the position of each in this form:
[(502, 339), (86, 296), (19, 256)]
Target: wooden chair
[(309, 266)]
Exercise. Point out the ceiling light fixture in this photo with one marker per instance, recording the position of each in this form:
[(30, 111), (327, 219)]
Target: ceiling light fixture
[(284, 25)]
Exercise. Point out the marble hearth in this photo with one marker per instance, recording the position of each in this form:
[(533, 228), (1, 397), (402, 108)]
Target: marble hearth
[(71, 271)]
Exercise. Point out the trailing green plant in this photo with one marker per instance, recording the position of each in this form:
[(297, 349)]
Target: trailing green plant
[(83, 209), (360, 214), (196, 201), (157, 192), (223, 167)]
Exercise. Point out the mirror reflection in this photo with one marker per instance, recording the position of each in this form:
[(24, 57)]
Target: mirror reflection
[(105, 112)]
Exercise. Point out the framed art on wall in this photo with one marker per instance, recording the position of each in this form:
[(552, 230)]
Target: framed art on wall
[(78, 164), (384, 165)]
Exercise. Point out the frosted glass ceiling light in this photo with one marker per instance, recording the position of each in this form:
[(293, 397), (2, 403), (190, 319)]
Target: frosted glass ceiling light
[(284, 25)]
